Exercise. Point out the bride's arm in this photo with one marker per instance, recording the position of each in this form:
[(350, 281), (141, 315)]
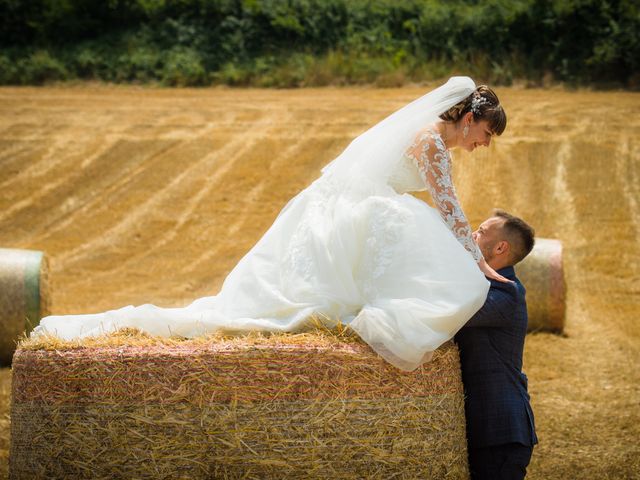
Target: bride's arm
[(432, 159)]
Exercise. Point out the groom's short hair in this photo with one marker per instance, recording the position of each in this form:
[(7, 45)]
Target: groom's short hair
[(519, 234)]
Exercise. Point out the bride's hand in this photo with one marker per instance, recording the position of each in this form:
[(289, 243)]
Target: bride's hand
[(491, 273)]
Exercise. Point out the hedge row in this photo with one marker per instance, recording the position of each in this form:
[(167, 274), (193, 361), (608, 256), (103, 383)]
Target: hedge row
[(318, 42)]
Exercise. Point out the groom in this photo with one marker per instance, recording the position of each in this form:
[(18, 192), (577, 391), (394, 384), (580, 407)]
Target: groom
[(500, 426)]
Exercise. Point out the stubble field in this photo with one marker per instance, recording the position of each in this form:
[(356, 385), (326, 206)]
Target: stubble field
[(152, 196)]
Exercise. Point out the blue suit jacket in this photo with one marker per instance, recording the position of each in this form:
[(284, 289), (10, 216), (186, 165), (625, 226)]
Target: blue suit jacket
[(491, 345)]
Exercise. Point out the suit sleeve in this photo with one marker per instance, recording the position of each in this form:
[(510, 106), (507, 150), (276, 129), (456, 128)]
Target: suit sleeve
[(499, 308)]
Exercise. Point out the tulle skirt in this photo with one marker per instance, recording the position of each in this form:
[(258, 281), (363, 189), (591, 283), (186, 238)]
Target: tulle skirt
[(354, 252)]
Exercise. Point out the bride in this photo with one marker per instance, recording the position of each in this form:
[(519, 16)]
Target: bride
[(353, 246)]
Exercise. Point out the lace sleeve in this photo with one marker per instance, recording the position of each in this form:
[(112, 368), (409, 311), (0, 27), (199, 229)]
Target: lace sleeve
[(432, 159)]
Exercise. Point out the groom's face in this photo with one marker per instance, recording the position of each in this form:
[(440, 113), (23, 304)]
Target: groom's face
[(487, 236)]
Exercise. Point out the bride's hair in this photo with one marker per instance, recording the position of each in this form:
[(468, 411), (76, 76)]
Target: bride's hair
[(484, 105)]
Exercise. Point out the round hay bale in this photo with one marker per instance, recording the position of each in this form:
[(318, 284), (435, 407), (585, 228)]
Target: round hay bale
[(542, 274), (285, 406), (24, 296)]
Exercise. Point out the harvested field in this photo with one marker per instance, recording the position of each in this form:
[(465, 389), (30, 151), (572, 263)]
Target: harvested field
[(143, 195)]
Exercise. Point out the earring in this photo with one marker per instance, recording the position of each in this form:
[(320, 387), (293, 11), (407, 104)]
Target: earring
[(465, 131)]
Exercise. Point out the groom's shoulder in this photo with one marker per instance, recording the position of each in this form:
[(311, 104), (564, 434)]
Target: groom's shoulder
[(513, 289), (519, 287)]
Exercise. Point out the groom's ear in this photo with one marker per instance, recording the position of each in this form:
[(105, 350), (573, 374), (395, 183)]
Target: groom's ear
[(502, 247)]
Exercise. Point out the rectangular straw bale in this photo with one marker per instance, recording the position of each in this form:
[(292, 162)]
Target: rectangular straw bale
[(283, 406)]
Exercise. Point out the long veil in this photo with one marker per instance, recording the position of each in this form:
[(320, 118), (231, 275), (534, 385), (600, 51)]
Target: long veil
[(373, 153)]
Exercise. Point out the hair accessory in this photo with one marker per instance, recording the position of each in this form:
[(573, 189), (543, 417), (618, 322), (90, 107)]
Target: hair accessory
[(476, 102)]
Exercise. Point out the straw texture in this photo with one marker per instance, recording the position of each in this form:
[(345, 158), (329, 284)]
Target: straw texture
[(310, 405), (24, 296), (542, 274)]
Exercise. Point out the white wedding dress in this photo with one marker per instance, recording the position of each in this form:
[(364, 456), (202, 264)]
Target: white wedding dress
[(355, 248)]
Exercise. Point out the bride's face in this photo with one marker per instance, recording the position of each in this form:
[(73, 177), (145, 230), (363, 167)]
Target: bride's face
[(479, 134)]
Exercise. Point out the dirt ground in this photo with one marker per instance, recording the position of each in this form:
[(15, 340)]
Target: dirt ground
[(152, 196)]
